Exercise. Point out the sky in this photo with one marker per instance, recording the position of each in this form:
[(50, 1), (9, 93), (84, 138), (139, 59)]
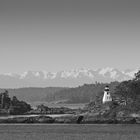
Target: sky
[(56, 35)]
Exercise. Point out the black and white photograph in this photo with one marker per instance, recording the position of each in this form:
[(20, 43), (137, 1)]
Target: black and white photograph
[(69, 70)]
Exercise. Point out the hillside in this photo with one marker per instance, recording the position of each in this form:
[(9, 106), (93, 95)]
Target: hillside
[(124, 108), (33, 94), (81, 94)]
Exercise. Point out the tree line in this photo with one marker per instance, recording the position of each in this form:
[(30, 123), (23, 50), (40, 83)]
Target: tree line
[(12, 105), (81, 94), (130, 92)]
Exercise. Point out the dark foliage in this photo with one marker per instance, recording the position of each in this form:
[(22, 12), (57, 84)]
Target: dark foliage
[(13, 106), (19, 107), (137, 75), (4, 100), (130, 91)]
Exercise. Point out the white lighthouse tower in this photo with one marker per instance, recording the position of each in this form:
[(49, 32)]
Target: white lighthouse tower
[(107, 96)]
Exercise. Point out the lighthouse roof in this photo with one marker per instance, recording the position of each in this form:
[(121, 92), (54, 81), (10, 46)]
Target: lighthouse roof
[(107, 88)]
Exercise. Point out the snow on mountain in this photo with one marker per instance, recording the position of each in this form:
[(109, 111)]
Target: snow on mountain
[(130, 73), (105, 70), (73, 77), (77, 73)]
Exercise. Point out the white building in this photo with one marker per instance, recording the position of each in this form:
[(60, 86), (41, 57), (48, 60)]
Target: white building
[(107, 96)]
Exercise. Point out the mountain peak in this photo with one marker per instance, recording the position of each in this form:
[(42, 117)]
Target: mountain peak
[(74, 77)]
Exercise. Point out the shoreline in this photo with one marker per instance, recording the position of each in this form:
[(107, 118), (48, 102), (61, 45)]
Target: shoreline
[(33, 115), (65, 119)]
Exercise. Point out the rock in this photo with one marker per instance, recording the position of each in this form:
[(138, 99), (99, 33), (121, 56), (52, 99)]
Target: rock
[(67, 119), (80, 118), (126, 120), (45, 119), (120, 114), (39, 119), (31, 120), (35, 119), (135, 115), (96, 120)]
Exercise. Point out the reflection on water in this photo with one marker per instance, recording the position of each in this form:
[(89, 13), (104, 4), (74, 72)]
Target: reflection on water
[(69, 132), (52, 115)]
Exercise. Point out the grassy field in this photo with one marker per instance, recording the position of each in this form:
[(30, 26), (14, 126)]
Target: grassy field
[(69, 132)]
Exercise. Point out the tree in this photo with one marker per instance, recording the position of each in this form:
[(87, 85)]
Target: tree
[(130, 91), (123, 90), (137, 76), (19, 107), (14, 100), (5, 100)]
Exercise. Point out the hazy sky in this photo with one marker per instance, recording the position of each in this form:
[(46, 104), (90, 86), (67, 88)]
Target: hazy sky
[(58, 35)]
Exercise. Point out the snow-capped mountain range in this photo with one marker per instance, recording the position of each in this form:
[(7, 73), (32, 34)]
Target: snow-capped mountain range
[(71, 78)]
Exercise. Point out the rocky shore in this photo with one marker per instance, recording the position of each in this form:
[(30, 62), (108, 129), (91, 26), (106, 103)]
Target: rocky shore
[(39, 119), (93, 113), (71, 119)]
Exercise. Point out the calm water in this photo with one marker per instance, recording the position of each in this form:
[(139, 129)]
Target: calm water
[(69, 132)]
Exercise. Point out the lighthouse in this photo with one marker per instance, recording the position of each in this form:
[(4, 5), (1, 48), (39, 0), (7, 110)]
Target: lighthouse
[(107, 96)]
